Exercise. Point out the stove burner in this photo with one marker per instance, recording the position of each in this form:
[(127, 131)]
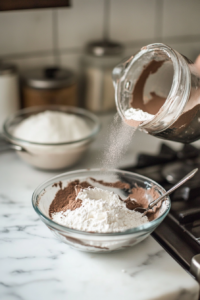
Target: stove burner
[(174, 172), (179, 233)]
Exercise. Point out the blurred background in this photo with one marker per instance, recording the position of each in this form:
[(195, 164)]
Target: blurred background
[(62, 37), (39, 37)]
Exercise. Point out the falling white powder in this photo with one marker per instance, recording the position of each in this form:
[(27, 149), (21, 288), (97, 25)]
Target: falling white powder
[(52, 127), (101, 211), (120, 136), (137, 115), (117, 141)]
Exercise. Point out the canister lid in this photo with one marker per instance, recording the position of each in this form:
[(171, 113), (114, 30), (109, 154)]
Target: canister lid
[(7, 69), (104, 48), (48, 78)]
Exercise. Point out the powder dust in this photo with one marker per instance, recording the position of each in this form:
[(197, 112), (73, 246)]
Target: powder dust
[(117, 141)]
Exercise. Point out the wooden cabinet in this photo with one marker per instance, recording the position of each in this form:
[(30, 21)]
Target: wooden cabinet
[(6, 5)]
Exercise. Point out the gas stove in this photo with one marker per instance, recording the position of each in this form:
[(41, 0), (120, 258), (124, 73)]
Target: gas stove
[(179, 233)]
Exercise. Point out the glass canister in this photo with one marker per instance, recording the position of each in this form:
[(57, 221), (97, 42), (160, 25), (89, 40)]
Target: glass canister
[(162, 82), (49, 86), (98, 62), (9, 91)]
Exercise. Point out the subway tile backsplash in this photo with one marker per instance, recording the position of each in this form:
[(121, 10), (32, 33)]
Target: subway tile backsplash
[(25, 31), (190, 50), (80, 23), (70, 60), (32, 61), (44, 37), (132, 20), (181, 17)]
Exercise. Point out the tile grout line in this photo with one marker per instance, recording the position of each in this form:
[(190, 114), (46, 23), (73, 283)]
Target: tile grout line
[(129, 44), (55, 37), (26, 54), (159, 20), (106, 17), (39, 53), (173, 39)]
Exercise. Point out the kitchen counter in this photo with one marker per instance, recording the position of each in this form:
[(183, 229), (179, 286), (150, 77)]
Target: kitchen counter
[(35, 265)]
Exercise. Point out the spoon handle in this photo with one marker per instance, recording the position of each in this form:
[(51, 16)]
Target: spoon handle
[(182, 181)]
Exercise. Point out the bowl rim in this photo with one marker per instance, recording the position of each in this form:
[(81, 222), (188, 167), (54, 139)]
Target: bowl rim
[(71, 109), (146, 226)]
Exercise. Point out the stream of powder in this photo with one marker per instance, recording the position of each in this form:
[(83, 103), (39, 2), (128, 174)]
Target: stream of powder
[(117, 141)]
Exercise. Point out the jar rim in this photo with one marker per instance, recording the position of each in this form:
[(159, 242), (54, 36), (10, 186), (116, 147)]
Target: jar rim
[(171, 109)]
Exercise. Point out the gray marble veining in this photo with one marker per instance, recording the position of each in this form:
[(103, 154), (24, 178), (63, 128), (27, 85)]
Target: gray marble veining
[(35, 265)]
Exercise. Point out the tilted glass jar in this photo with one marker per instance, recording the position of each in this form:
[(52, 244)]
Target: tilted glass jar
[(168, 86)]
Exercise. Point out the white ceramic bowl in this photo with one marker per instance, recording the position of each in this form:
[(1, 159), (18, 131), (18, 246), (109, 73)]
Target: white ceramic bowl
[(53, 156)]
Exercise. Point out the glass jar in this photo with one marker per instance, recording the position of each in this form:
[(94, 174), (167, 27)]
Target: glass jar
[(9, 91), (98, 62), (164, 83), (49, 86)]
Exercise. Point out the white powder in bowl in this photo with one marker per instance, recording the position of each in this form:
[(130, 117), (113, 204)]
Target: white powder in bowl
[(52, 127), (101, 211), (137, 115)]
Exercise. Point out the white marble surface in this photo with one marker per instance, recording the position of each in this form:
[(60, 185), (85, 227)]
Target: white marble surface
[(35, 265)]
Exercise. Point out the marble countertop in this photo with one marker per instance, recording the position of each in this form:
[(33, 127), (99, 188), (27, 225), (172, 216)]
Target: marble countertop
[(35, 265)]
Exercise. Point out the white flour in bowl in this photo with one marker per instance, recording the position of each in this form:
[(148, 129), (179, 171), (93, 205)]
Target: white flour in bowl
[(101, 211), (52, 127)]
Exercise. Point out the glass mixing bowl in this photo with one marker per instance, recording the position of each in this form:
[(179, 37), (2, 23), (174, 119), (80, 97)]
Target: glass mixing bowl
[(97, 242), (53, 156)]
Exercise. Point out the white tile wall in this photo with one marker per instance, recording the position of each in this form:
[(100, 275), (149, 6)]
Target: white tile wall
[(181, 17), (190, 50), (70, 60), (132, 20), (133, 49), (25, 31), (33, 61), (80, 24), (30, 37)]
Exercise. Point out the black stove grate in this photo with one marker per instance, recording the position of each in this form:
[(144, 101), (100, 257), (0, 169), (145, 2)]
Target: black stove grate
[(179, 233)]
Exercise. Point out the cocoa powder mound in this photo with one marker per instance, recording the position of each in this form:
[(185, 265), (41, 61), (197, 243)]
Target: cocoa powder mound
[(66, 198), (138, 199), (117, 184), (57, 183)]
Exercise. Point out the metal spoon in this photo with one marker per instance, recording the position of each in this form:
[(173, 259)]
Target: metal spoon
[(153, 203)]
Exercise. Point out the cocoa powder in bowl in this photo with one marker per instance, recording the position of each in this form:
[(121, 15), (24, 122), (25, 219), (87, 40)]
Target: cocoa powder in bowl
[(65, 198)]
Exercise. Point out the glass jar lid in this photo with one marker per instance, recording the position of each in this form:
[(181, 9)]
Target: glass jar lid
[(48, 78), (6, 69), (104, 48)]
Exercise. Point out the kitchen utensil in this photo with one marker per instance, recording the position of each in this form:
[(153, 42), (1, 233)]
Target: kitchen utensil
[(153, 203)]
